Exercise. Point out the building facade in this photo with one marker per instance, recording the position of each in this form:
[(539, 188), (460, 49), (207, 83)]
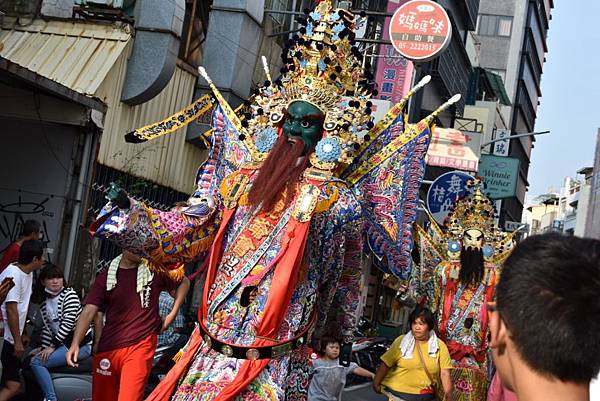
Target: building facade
[(566, 211), (512, 36), (592, 224), (108, 67)]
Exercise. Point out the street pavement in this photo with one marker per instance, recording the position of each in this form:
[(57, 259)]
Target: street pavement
[(361, 392)]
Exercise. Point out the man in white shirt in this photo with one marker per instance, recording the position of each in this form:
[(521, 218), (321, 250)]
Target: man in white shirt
[(14, 309)]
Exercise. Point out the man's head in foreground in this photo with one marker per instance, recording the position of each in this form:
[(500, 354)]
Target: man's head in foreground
[(545, 326)]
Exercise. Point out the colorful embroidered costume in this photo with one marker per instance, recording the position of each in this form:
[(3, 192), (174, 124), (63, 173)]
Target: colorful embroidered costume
[(460, 299), (277, 274)]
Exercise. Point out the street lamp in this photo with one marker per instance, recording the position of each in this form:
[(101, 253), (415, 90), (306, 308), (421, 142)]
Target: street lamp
[(508, 138)]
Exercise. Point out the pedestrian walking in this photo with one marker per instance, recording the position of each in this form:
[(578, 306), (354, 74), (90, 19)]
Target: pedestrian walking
[(60, 310), (328, 377), (545, 331), (14, 308), (128, 293), (415, 363)]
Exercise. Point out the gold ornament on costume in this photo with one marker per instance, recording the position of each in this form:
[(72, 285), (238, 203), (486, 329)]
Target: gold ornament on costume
[(322, 66)]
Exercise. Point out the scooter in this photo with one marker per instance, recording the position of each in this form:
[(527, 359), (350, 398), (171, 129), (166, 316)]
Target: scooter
[(366, 353), (70, 384)]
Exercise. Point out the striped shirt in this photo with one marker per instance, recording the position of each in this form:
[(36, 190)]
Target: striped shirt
[(67, 312)]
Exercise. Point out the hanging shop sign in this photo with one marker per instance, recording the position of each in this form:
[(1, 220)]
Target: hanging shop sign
[(500, 175), (445, 191), (501, 148), (420, 30), (456, 149)]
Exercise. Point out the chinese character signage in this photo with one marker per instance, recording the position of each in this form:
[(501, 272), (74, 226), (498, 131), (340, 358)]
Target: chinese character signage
[(455, 149), (394, 72), (499, 175), (420, 30), (501, 147), (445, 191)]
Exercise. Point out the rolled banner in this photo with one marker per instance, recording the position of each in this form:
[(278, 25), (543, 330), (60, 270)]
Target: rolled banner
[(171, 123)]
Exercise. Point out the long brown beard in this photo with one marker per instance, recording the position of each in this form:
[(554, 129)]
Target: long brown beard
[(472, 266), (278, 174)]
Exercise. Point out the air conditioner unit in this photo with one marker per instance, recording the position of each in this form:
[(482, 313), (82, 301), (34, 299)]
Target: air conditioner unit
[(106, 3)]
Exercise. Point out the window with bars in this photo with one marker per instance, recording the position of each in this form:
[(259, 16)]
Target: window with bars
[(494, 25), (279, 22)]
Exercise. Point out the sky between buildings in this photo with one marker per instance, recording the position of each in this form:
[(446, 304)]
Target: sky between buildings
[(570, 102)]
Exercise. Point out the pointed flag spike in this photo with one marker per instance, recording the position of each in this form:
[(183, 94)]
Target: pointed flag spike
[(266, 67), (424, 81), (455, 98), (429, 119), (202, 71)]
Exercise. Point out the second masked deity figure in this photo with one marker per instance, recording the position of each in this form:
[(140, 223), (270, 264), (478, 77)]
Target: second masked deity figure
[(462, 264)]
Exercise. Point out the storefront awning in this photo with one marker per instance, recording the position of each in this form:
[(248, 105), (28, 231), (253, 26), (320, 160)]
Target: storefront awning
[(495, 82), (77, 55), (484, 84)]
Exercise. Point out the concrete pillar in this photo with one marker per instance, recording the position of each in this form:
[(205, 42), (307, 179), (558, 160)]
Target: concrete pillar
[(231, 51), (58, 8)]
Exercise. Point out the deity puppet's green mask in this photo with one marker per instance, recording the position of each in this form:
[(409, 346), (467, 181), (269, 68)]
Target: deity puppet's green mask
[(304, 120)]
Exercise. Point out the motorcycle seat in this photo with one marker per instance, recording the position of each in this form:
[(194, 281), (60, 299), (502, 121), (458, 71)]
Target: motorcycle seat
[(85, 366)]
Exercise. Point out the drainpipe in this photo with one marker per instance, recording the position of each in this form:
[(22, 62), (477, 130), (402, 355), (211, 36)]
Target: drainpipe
[(81, 185), (158, 27)]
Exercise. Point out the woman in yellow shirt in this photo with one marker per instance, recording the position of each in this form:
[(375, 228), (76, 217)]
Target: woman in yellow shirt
[(402, 376)]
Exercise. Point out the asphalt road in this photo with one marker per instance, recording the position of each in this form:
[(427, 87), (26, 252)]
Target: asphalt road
[(362, 392)]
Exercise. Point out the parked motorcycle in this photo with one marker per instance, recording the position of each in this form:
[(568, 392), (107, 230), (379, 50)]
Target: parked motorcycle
[(70, 384), (366, 353)]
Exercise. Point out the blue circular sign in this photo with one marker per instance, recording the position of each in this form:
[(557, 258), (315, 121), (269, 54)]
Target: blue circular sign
[(445, 191)]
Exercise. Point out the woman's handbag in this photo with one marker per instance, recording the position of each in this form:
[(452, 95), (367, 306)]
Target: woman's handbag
[(437, 391)]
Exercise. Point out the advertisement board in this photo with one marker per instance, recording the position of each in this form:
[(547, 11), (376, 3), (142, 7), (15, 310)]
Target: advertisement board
[(500, 175), (452, 148), (420, 30), (445, 191), (394, 72)]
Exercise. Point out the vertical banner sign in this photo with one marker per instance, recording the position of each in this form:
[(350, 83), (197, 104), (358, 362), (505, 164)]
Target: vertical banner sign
[(445, 191), (500, 175), (501, 147), (394, 72), (420, 30)]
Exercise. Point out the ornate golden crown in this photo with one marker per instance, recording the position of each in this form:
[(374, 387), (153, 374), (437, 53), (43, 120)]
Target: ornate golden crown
[(474, 211), (321, 66)]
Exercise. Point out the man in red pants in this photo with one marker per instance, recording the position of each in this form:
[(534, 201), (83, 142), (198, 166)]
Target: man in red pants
[(128, 294)]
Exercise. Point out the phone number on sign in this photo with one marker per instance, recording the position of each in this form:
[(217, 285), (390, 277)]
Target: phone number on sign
[(417, 46)]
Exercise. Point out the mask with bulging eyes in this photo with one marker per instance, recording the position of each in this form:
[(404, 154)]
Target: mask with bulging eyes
[(304, 121), (473, 239)]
